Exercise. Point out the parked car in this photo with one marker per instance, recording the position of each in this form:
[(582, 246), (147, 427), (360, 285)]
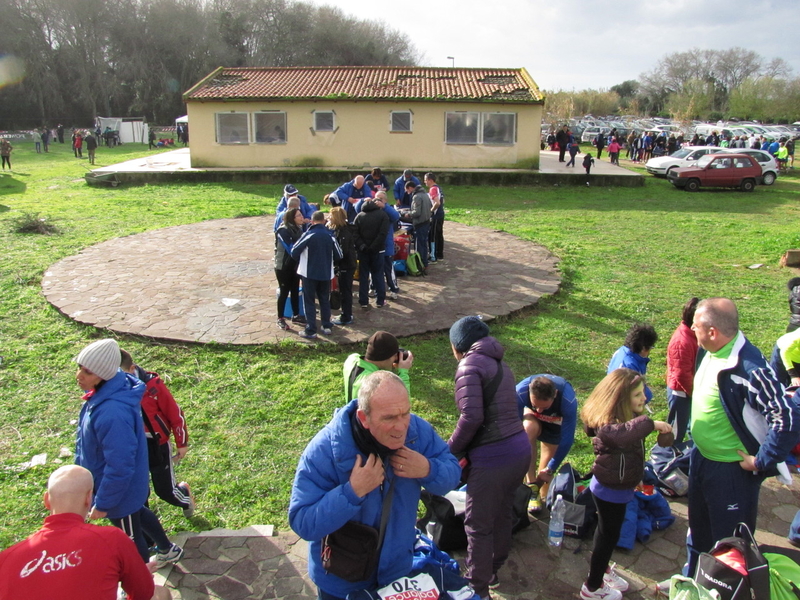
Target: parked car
[(724, 169), (685, 157), (769, 166), (591, 132)]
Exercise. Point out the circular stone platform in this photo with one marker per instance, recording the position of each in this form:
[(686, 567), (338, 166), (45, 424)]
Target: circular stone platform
[(214, 282)]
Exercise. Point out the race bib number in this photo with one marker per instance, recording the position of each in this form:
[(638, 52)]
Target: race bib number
[(419, 587)]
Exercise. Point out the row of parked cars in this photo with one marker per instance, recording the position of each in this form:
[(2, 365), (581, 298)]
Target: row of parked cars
[(587, 128), (688, 156), (722, 169)]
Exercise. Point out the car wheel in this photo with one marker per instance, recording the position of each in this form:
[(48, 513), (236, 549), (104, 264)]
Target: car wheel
[(748, 185), (769, 178), (693, 185)]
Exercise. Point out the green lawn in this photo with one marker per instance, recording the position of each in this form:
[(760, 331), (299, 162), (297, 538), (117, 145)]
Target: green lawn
[(627, 255)]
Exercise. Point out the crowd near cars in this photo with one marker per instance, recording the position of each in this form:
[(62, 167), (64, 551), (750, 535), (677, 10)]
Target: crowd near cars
[(693, 155)]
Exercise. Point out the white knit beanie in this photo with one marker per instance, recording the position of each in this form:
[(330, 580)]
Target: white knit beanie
[(102, 358)]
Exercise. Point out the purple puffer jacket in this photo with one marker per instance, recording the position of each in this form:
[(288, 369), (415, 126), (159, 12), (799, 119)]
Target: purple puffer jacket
[(476, 369)]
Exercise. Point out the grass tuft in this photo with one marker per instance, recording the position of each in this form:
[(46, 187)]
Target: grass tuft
[(32, 223)]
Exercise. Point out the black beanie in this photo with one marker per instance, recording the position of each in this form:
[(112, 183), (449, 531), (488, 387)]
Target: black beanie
[(467, 331)]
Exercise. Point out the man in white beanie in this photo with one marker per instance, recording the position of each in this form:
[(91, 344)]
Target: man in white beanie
[(111, 444)]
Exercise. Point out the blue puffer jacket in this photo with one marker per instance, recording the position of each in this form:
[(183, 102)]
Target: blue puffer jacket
[(323, 501), (625, 357), (111, 444)]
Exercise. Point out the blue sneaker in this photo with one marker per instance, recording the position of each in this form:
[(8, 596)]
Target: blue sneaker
[(305, 334), (340, 321)]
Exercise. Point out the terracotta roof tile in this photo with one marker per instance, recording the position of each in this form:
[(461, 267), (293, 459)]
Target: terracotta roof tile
[(367, 83)]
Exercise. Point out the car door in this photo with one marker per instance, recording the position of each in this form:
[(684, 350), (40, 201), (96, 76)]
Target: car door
[(715, 173)]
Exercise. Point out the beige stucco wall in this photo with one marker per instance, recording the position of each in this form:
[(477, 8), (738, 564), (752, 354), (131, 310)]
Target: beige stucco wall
[(363, 137)]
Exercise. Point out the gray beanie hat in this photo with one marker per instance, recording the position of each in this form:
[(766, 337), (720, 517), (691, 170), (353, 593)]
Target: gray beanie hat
[(467, 331), (102, 358)]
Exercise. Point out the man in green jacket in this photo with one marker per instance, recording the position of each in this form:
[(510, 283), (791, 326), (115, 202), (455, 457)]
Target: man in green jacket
[(383, 354)]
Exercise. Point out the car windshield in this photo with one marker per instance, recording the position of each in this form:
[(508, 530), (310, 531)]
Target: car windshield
[(682, 153)]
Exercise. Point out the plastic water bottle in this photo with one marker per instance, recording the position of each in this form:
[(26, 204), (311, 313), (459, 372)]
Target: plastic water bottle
[(556, 534)]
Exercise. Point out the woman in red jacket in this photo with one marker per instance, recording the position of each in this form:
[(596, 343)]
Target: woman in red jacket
[(681, 357)]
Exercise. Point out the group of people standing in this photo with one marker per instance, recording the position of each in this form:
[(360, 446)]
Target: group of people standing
[(358, 233), (727, 408)]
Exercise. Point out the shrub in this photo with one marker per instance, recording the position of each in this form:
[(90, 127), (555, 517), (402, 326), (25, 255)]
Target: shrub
[(32, 223)]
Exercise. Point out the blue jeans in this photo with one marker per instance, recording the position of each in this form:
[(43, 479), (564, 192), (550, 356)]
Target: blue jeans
[(371, 265), (421, 241), (721, 495), (321, 289)]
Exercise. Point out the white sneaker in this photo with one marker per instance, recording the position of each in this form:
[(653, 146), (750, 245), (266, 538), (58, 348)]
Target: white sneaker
[(173, 555), (602, 593), (613, 580)]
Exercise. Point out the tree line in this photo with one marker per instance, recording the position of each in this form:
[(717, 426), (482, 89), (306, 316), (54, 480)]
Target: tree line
[(77, 59), (695, 84)]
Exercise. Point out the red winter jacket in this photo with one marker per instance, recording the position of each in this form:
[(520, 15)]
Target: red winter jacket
[(161, 409), (681, 356)]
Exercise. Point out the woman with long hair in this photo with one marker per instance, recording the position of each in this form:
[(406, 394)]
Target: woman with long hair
[(612, 416), (286, 267)]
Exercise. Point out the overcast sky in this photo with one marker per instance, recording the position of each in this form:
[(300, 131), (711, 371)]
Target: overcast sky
[(578, 44)]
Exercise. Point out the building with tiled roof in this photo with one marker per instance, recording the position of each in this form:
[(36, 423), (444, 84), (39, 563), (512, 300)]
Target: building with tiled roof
[(365, 116)]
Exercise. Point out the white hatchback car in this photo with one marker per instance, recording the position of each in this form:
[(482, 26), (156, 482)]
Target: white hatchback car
[(685, 157)]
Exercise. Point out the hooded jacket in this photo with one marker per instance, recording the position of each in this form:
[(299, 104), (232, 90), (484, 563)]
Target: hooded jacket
[(420, 207), (371, 228), (111, 445), (619, 452), (475, 370), (163, 412), (323, 500)]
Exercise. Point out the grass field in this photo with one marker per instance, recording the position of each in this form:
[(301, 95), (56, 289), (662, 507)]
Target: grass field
[(626, 255)]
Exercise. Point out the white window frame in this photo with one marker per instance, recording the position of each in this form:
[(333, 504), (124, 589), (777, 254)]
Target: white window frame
[(482, 120), (242, 141), (255, 116), (410, 121), (333, 121)]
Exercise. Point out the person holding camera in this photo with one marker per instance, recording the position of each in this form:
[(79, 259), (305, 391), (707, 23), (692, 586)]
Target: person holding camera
[(383, 354)]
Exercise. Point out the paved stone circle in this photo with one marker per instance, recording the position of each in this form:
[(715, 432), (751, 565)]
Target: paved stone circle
[(214, 281)]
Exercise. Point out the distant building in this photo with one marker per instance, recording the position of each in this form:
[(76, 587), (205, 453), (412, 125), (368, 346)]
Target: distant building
[(365, 116)]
